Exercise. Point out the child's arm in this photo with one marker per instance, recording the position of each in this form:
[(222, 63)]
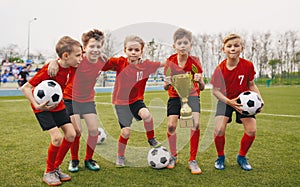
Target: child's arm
[(199, 78), (27, 91), (52, 68)]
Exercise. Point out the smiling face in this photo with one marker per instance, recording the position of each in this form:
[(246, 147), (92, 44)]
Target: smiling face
[(93, 50), (182, 46), (133, 50), (233, 48)]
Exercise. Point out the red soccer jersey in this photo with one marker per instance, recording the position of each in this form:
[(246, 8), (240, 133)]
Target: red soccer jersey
[(233, 82), (192, 66), (130, 79), (80, 86), (61, 78)]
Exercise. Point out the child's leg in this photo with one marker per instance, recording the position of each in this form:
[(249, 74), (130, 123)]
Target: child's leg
[(74, 149), (249, 135), (172, 138), (219, 134), (53, 148), (148, 122), (92, 125), (66, 143), (194, 142), (123, 139)]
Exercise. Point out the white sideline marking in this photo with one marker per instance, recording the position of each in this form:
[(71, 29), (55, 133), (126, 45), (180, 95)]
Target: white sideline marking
[(106, 103)]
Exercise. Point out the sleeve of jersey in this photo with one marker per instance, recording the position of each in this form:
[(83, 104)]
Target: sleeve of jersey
[(216, 78), (110, 64), (39, 76)]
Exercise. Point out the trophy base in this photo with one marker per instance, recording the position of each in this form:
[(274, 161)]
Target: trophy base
[(186, 122)]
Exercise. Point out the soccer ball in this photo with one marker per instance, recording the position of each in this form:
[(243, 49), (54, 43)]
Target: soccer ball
[(48, 90), (251, 103), (158, 158), (101, 136)]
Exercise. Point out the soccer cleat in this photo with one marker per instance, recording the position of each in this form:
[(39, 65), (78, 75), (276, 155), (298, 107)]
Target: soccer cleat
[(73, 166), (62, 176), (154, 143), (220, 163), (173, 161), (120, 162), (242, 161), (51, 178), (91, 165), (195, 169)]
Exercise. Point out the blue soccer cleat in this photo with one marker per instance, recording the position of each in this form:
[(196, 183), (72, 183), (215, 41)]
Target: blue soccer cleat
[(242, 161), (220, 163)]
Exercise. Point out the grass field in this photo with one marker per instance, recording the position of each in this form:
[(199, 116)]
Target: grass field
[(274, 155)]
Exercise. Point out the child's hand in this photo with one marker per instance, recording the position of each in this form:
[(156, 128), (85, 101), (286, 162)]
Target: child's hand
[(53, 68), (45, 107), (168, 80), (198, 77), (233, 103)]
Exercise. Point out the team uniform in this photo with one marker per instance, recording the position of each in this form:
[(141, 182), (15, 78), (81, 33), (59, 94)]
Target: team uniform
[(128, 96), (79, 99), (231, 83), (129, 87), (56, 117), (191, 66)]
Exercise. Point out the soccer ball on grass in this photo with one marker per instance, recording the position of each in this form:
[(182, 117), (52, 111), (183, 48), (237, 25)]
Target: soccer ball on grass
[(101, 136), (48, 90), (158, 158), (251, 103)]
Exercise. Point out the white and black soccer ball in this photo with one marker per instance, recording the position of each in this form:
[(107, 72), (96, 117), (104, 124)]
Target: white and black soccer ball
[(251, 102), (101, 136), (48, 90), (158, 158)]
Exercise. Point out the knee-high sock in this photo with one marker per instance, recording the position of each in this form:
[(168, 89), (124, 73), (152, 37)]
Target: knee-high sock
[(220, 144), (149, 129), (246, 143), (74, 149), (62, 151), (90, 147), (122, 143), (194, 142), (172, 143), (50, 162)]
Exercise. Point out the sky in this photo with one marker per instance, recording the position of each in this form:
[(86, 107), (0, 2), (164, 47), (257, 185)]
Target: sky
[(159, 18)]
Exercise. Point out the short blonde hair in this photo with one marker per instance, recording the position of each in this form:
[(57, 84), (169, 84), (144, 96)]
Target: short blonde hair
[(232, 36), (133, 38)]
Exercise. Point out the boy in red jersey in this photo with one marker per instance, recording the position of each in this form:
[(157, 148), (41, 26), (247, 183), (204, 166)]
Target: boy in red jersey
[(51, 118), (181, 63), (79, 97), (231, 77), (128, 94)]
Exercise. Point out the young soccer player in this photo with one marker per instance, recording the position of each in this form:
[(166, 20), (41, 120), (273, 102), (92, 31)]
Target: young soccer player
[(180, 63), (53, 117), (231, 77), (128, 94), (79, 97)]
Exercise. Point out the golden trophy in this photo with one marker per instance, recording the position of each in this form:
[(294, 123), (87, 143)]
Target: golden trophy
[(183, 85)]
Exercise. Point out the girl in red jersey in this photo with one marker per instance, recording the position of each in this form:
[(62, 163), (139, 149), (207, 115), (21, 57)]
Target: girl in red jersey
[(51, 118), (128, 94), (231, 77), (79, 97), (181, 63)]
